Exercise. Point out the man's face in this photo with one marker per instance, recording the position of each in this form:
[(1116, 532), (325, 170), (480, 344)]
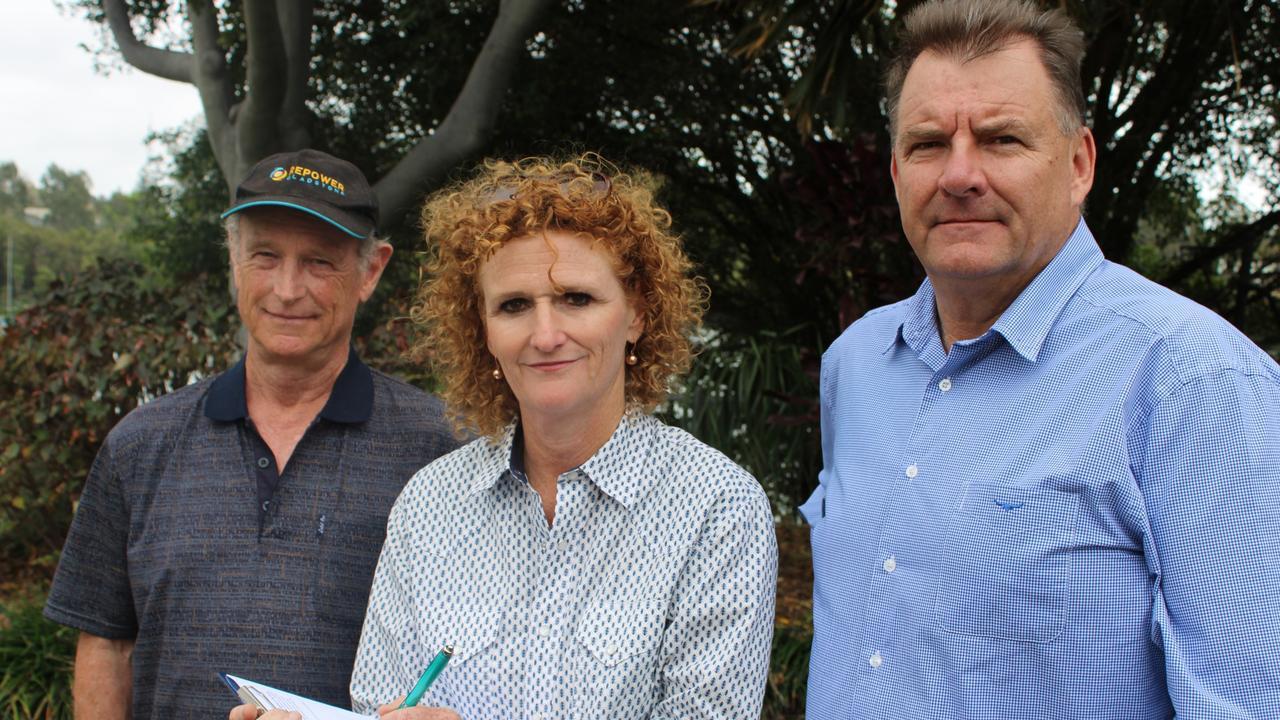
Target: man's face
[(298, 284), (988, 185)]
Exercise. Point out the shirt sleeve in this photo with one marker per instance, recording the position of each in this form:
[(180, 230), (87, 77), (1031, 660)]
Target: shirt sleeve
[(1209, 469), (715, 653), (815, 508), (379, 676), (91, 589)]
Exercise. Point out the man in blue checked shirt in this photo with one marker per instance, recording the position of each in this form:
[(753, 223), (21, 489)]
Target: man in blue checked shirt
[(1050, 487)]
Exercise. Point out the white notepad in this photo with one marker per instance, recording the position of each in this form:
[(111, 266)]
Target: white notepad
[(269, 698)]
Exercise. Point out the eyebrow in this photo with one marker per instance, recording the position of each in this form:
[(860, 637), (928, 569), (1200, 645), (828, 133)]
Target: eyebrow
[(1000, 126), (910, 136)]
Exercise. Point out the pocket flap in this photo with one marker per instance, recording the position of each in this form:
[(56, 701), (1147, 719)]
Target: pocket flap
[(470, 631), (614, 630), (1005, 510)]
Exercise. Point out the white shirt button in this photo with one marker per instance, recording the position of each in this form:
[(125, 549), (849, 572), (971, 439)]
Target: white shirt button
[(544, 631), (945, 384), (611, 650), (890, 564), (876, 660), (912, 470), (562, 545)]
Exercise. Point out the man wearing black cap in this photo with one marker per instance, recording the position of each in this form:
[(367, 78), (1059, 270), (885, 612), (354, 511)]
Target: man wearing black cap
[(233, 525)]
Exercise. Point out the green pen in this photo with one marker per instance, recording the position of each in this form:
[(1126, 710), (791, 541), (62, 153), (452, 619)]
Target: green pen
[(428, 676)]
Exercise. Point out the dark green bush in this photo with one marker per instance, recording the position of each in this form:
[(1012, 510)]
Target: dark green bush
[(756, 400), (35, 663), (72, 366), (788, 673)]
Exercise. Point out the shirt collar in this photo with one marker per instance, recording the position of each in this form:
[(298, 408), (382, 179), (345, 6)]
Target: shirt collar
[(1027, 321), (621, 468), (350, 401)]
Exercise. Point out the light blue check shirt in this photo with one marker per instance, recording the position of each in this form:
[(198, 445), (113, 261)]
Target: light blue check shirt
[(651, 596), (1076, 515)]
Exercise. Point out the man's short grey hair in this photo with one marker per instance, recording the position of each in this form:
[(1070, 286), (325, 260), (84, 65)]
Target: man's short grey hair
[(968, 29), (231, 228)]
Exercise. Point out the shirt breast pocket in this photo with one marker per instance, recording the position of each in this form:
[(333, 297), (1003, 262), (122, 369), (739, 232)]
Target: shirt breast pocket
[(618, 645), (1006, 572), (347, 545)]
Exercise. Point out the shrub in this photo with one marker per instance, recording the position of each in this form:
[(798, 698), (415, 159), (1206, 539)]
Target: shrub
[(36, 656), (755, 400), (73, 365), (788, 673)]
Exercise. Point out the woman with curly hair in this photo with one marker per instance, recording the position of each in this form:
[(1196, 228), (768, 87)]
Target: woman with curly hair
[(580, 558)]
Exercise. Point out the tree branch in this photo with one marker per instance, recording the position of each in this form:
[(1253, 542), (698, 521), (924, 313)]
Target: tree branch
[(1239, 237), (296, 18), (471, 119), (154, 61), (265, 84), (211, 79)]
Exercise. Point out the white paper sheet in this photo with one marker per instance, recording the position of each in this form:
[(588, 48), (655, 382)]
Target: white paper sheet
[(273, 698)]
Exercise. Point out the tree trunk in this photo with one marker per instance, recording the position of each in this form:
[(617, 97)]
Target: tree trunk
[(273, 117)]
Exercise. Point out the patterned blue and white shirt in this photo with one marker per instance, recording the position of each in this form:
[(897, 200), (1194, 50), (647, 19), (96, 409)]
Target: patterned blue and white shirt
[(651, 596), (1075, 515)]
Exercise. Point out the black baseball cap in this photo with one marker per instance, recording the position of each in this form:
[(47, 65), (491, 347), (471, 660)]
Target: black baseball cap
[(315, 183)]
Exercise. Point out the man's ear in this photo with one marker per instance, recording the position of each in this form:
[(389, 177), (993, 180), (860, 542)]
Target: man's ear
[(373, 273), (1082, 164)]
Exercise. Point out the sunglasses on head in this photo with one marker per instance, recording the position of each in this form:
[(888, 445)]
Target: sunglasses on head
[(600, 185)]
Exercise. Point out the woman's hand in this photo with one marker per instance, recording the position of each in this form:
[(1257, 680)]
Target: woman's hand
[(391, 712), (250, 712)]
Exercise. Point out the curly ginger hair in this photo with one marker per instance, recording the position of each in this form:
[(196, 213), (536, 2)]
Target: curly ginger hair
[(467, 222)]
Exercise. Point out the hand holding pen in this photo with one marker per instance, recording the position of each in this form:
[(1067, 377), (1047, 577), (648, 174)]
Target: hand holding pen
[(420, 688)]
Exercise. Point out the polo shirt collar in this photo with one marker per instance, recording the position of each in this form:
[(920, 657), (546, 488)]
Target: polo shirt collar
[(620, 468), (1027, 321), (350, 401)]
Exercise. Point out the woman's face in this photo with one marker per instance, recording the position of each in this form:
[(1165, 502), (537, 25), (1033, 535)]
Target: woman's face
[(558, 320)]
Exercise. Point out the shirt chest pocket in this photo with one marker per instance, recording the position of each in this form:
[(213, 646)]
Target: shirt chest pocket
[(1006, 571), (347, 542), (617, 645)]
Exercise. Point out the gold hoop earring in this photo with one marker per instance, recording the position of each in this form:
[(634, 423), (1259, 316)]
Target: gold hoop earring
[(497, 373)]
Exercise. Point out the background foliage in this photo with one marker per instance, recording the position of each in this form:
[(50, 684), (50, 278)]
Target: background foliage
[(35, 662), (75, 364)]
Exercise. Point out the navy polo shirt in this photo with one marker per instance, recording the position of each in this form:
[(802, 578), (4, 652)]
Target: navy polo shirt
[(350, 402), (173, 547)]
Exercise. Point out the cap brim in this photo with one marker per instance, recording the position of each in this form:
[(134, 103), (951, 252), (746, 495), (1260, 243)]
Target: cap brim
[(345, 222)]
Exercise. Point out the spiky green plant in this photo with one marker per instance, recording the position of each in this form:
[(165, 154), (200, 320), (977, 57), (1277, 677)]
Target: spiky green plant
[(788, 673), (35, 663)]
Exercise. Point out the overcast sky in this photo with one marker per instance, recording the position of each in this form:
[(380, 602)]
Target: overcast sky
[(55, 109)]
